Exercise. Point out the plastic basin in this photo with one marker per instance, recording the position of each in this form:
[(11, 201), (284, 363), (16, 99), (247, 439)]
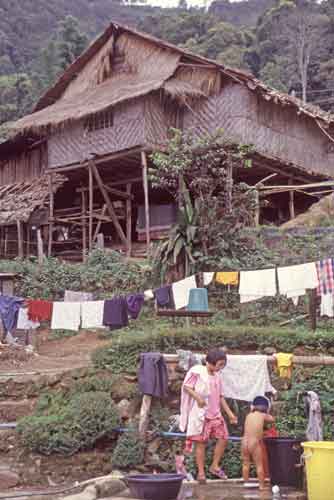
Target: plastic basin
[(154, 486)]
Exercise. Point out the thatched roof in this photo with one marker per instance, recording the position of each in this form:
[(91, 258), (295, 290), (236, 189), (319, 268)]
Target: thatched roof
[(18, 201), (319, 214), (123, 64)]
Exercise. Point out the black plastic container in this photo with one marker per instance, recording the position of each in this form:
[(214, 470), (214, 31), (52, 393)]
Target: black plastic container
[(154, 486), (284, 456)]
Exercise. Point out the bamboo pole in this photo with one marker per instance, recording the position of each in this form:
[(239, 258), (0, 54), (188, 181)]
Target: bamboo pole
[(129, 219), (147, 204), (28, 240), (19, 239), (83, 225), (257, 209), (99, 224), (91, 208), (297, 360), (51, 214), (291, 202)]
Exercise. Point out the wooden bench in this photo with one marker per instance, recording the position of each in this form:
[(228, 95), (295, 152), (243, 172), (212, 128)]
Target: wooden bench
[(183, 313)]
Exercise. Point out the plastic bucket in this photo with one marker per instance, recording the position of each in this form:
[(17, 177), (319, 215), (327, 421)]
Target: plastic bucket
[(284, 457), (198, 300), (319, 461), (155, 486)]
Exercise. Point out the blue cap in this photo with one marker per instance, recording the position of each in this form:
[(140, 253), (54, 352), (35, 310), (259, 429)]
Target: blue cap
[(261, 401)]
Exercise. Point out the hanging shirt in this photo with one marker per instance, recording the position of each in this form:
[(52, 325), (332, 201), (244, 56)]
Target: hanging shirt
[(40, 310), (181, 291), (314, 431), (9, 308), (164, 296), (284, 364), (207, 278), (257, 284), (228, 278), (153, 375), (71, 296), (135, 303), (92, 314), (246, 376), (293, 281), (66, 316), (327, 305), (24, 323), (325, 271), (115, 313)]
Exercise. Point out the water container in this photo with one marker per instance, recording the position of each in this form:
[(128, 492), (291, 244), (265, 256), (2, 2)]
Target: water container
[(284, 455), (198, 300)]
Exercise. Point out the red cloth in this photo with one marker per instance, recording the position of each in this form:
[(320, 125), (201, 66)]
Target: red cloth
[(272, 432), (325, 270), (39, 310)]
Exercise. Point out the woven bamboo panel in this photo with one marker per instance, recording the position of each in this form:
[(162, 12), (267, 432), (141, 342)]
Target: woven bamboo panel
[(68, 146), (159, 118)]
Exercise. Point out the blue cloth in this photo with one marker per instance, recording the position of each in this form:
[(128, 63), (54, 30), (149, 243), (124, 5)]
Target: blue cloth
[(153, 375), (115, 313), (164, 296), (9, 308), (135, 303)]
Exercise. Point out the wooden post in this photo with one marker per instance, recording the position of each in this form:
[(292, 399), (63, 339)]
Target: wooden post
[(91, 204), (257, 208), (99, 224), (28, 239), (147, 204), (229, 188), (51, 215), (100, 241), (312, 295), (83, 225), (6, 242), (144, 413), (291, 202), (40, 251), (129, 220), (19, 239)]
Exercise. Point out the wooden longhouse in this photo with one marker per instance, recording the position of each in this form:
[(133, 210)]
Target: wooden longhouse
[(76, 167)]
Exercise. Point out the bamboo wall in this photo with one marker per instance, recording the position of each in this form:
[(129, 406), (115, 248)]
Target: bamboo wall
[(271, 128), (24, 167)]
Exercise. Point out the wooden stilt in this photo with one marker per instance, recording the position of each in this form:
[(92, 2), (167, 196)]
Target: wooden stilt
[(51, 215), (129, 220), (144, 413), (291, 202), (229, 188), (6, 242), (312, 294), (108, 203), (257, 209), (28, 240), (99, 224), (19, 239), (40, 250), (147, 204), (91, 205), (83, 225)]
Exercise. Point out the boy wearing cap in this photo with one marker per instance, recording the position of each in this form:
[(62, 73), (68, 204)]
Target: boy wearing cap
[(251, 447)]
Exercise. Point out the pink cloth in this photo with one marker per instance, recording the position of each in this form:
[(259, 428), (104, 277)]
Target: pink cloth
[(192, 416), (215, 394), (215, 428)]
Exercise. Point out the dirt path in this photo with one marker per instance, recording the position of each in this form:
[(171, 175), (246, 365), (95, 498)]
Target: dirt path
[(53, 355)]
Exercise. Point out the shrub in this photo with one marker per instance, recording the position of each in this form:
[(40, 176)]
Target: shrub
[(129, 450), (65, 427)]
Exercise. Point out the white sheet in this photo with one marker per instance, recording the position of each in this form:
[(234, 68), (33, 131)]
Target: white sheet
[(257, 284), (66, 316), (92, 314), (293, 281), (181, 291)]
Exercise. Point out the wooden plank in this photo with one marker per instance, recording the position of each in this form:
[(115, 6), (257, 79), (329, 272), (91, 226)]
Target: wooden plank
[(109, 204), (51, 214), (91, 207), (147, 204), (182, 313), (83, 225), (19, 239), (129, 220)]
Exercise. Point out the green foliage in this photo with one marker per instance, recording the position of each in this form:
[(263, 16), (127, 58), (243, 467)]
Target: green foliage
[(103, 273), (66, 428), (129, 450)]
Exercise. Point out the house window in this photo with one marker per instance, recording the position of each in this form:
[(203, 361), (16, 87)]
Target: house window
[(99, 121)]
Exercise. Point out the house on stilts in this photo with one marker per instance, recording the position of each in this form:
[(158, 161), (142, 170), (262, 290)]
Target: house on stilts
[(76, 168)]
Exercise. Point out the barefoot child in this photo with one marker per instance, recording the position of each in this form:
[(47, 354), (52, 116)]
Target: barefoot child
[(251, 446), (201, 404)]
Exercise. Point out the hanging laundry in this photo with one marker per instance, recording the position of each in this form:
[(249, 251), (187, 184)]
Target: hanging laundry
[(164, 296), (327, 305), (153, 375), (181, 291), (115, 313), (325, 271), (284, 364), (71, 296), (228, 278), (257, 284), (92, 314), (148, 294), (24, 323), (188, 359), (39, 310), (135, 303), (314, 431), (293, 281), (66, 316), (246, 376), (207, 278), (9, 308)]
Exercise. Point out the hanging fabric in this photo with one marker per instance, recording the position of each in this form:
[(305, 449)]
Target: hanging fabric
[(164, 296), (284, 364), (327, 305), (181, 290), (115, 313), (293, 281), (314, 431), (92, 314), (71, 296), (135, 303), (257, 284), (23, 321), (9, 308), (207, 278), (66, 316), (325, 272), (40, 310), (227, 278), (153, 375)]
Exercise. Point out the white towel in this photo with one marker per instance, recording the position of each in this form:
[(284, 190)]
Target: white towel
[(71, 296), (257, 284), (92, 314), (293, 281), (245, 377), (23, 322), (66, 316), (181, 291), (148, 295), (207, 278), (327, 305)]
